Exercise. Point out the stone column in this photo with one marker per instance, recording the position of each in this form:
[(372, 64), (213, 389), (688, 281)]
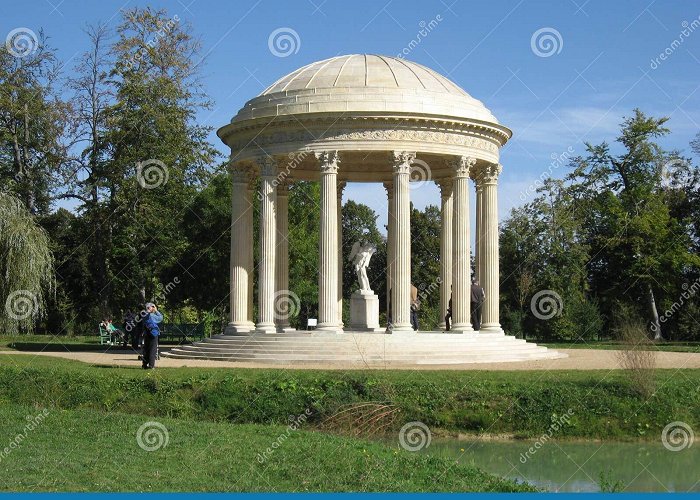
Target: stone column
[(477, 229), (239, 259), (268, 245), (461, 270), (490, 277), (401, 293), (391, 222), (328, 243), (284, 300), (446, 205), (250, 247), (341, 187)]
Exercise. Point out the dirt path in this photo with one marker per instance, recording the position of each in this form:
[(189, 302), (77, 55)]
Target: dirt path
[(579, 359)]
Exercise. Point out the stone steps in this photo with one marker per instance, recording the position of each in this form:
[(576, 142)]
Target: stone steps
[(403, 349)]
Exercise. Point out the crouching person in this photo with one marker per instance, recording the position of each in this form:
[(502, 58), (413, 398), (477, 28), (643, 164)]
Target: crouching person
[(151, 331)]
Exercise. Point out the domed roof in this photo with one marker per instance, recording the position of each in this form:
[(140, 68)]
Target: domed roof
[(365, 83)]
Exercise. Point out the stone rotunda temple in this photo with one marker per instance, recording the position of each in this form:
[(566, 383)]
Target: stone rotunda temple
[(363, 118)]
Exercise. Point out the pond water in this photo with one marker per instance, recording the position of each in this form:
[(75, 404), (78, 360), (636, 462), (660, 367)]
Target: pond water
[(577, 466)]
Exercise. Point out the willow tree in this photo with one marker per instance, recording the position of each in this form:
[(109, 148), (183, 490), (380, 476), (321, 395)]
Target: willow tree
[(26, 264)]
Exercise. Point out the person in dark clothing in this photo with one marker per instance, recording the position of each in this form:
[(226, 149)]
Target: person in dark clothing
[(477, 300), (151, 330), (415, 306), (448, 316)]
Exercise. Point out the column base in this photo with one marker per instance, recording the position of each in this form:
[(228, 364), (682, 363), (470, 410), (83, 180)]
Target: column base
[(265, 328), (491, 329), (463, 328), (401, 328), (329, 329), (442, 326), (285, 329), (236, 328)]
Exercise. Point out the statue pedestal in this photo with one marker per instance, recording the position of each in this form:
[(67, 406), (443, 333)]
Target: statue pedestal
[(364, 312)]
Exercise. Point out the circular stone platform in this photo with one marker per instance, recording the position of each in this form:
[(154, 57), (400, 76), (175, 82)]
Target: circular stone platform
[(365, 349)]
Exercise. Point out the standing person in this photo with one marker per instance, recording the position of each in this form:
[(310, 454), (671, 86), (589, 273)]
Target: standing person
[(415, 305), (129, 319), (151, 330), (448, 316), (477, 299)]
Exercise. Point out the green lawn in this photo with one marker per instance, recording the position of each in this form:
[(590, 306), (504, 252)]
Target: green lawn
[(82, 450), (604, 403)]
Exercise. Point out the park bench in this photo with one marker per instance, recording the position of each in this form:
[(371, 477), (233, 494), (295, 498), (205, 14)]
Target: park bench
[(181, 332)]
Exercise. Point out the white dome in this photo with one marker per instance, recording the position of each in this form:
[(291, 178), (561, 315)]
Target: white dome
[(367, 84)]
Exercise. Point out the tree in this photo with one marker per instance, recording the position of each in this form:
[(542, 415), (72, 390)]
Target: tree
[(159, 155), (27, 267), (32, 122), (638, 248)]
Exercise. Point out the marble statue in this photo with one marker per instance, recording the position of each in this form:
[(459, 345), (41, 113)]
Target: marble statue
[(360, 255)]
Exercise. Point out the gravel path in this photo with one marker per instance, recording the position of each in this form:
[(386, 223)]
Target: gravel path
[(579, 359)]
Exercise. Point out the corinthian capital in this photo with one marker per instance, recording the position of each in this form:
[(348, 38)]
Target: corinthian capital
[(402, 161), (490, 173), (267, 165), (461, 165), (329, 161)]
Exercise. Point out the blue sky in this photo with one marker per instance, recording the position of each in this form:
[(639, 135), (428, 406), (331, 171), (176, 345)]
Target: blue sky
[(600, 68)]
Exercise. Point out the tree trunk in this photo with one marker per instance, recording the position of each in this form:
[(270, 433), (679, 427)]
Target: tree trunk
[(655, 323)]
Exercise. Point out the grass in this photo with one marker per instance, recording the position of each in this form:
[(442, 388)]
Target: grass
[(616, 345), (81, 450), (605, 404)]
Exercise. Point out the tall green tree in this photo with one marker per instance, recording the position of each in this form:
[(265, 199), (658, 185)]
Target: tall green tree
[(32, 123)]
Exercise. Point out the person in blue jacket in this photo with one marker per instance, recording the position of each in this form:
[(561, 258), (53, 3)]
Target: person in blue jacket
[(151, 330)]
